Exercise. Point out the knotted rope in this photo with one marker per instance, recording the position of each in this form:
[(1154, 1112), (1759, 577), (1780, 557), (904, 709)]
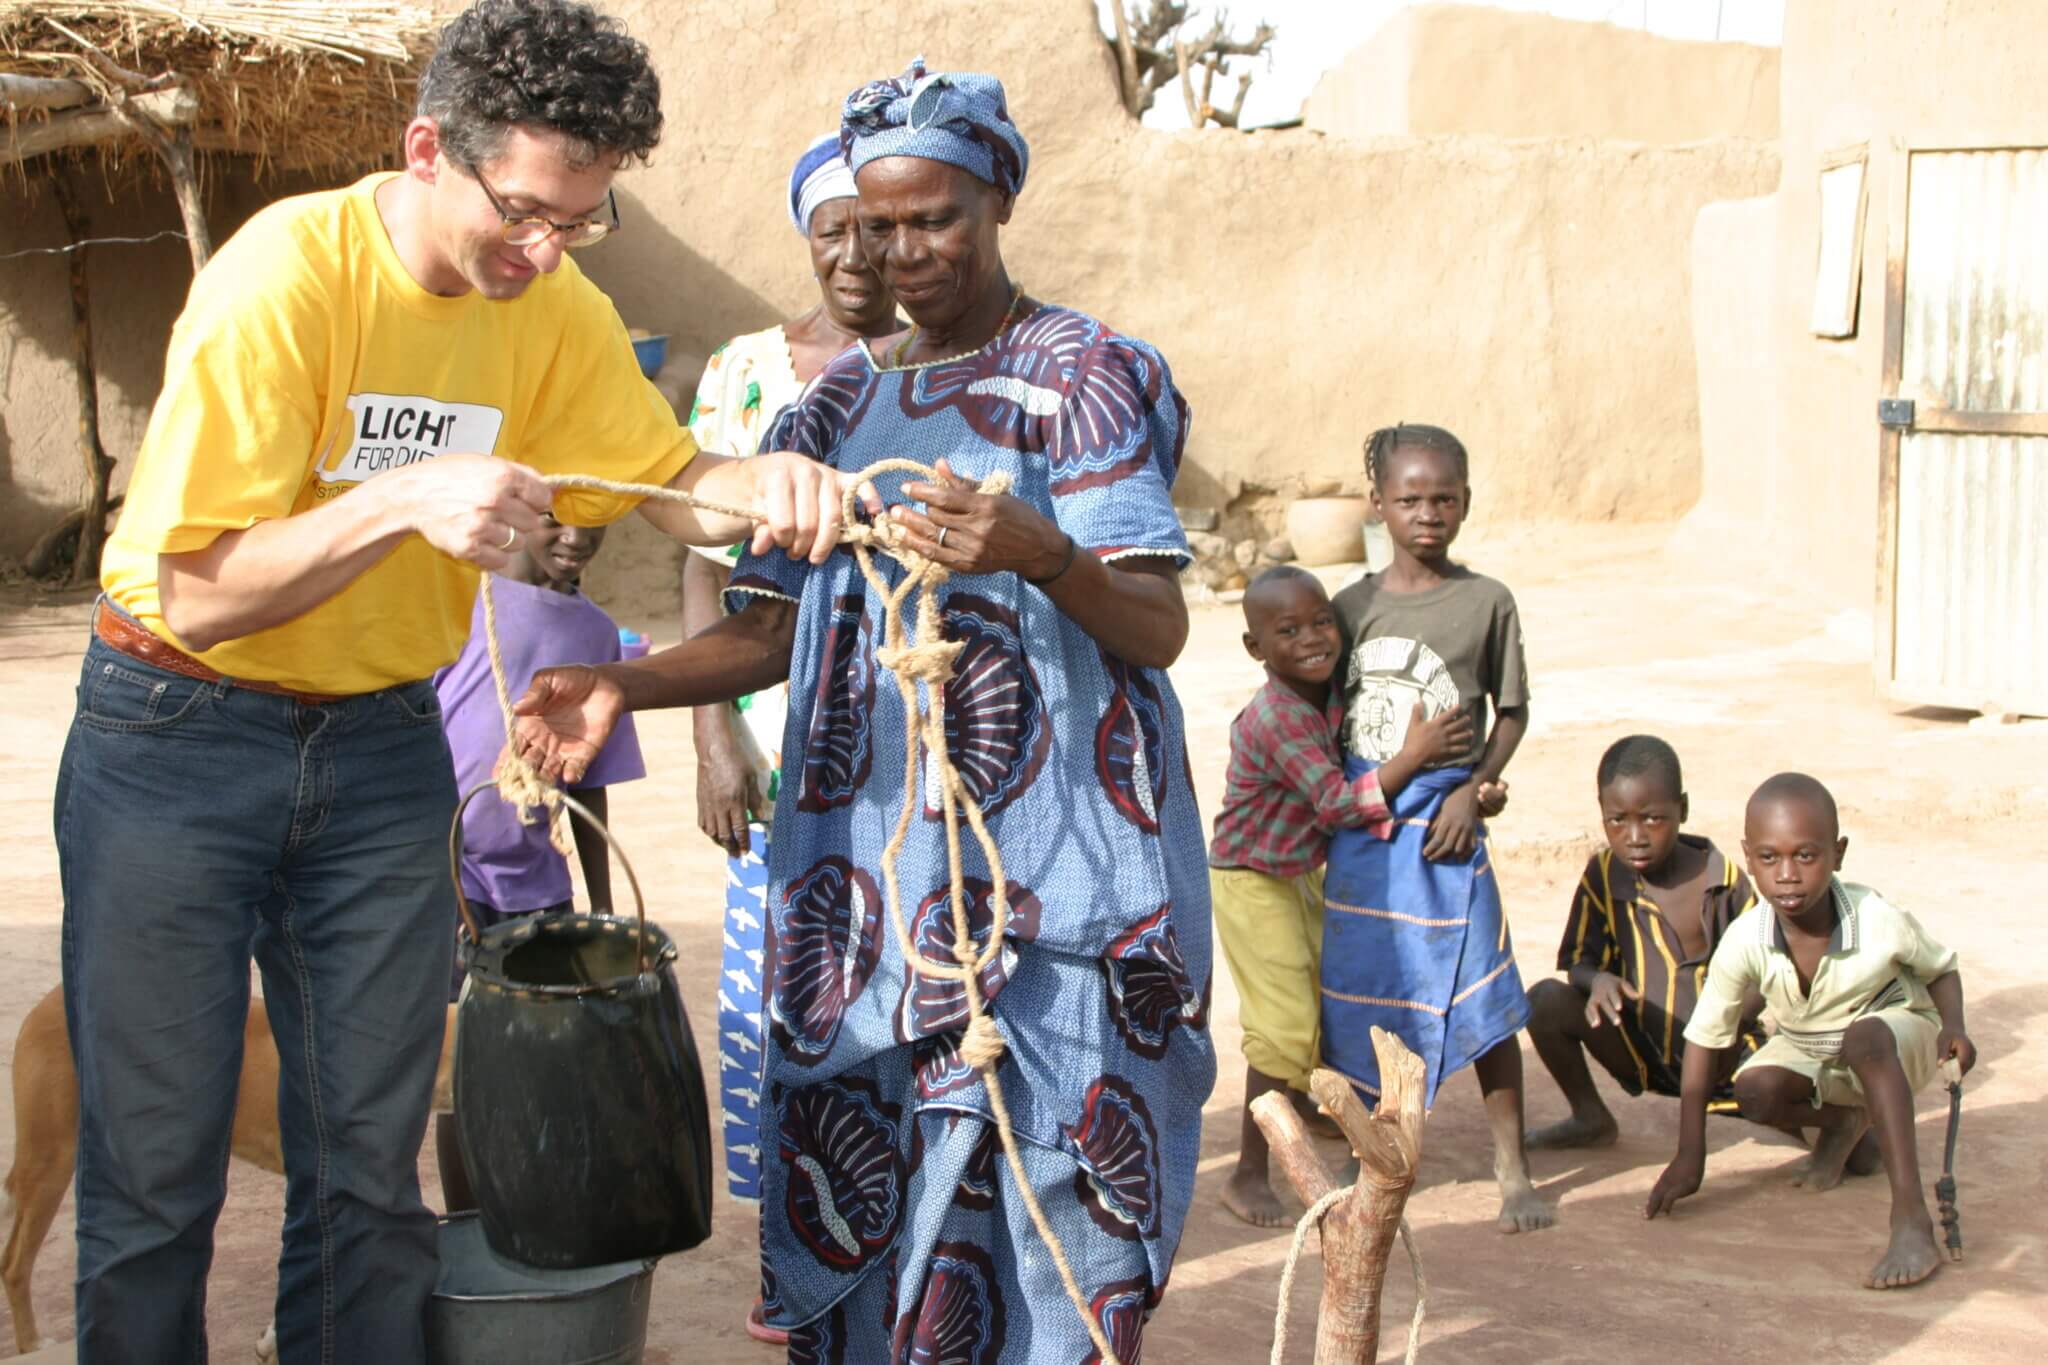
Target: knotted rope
[(927, 658), (1313, 1218)]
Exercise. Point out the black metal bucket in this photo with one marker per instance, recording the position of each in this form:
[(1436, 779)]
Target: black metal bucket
[(579, 1099), (490, 1311)]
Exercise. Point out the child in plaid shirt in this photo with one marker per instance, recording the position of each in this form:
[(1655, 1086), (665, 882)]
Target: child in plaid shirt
[(1284, 795)]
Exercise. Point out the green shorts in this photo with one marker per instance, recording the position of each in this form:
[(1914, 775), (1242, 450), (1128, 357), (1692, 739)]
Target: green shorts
[(1834, 1082)]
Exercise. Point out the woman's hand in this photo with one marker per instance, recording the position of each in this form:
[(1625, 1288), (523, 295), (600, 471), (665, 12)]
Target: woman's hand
[(1455, 831), (564, 719), (984, 532)]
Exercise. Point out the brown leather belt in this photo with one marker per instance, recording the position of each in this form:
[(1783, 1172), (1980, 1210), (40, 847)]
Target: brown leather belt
[(137, 643)]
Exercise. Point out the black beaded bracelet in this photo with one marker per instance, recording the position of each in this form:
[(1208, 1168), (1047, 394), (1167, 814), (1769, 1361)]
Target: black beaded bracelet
[(1073, 548)]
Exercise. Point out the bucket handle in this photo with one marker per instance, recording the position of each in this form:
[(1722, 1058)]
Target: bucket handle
[(576, 808)]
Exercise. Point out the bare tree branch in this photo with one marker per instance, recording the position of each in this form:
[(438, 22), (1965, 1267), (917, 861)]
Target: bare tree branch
[(1126, 60), (1153, 50)]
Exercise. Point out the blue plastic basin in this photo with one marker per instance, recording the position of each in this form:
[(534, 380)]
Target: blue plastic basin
[(652, 351)]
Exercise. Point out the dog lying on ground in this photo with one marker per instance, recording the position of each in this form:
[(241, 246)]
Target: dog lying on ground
[(46, 1137)]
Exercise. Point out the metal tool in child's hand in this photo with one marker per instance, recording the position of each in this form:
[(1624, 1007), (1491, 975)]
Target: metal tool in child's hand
[(579, 1097), (1945, 1188)]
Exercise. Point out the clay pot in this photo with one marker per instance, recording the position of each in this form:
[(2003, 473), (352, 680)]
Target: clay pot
[(1325, 530)]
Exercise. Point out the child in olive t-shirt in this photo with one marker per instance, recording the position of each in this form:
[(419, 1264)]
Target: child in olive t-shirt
[(1414, 937)]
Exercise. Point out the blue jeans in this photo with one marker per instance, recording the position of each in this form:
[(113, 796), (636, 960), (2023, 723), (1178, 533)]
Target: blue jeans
[(198, 823)]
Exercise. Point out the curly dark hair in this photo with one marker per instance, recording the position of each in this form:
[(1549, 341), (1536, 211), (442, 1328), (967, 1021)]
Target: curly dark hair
[(1413, 435), (553, 64)]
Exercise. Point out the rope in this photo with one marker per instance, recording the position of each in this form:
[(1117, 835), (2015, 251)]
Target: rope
[(926, 659), (1313, 1218), (518, 782)]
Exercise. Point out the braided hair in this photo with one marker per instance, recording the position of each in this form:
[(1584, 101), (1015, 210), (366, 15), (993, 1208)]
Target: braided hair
[(1381, 445)]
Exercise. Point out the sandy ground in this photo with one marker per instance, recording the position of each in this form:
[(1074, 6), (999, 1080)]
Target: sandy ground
[(1628, 629)]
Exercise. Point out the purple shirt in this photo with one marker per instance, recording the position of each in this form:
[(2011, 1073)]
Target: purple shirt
[(509, 866)]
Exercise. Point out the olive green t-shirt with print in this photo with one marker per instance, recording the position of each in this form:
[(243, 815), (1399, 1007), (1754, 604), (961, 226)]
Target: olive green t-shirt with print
[(1457, 644)]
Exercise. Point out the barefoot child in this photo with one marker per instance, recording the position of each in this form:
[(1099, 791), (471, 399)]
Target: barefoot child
[(1649, 909), (1867, 1006), (1285, 793), (1415, 940)]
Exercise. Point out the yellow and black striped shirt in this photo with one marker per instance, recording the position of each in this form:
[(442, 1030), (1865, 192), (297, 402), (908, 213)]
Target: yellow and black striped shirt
[(1615, 926)]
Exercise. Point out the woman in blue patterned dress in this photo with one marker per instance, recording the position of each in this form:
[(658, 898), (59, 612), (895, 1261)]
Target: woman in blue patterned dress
[(892, 1229)]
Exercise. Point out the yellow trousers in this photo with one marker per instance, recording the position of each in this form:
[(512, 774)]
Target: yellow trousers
[(1271, 929)]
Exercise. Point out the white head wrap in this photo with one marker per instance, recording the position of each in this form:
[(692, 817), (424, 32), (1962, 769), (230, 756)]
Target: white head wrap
[(821, 173)]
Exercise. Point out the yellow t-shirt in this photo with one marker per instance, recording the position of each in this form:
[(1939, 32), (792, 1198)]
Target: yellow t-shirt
[(306, 361)]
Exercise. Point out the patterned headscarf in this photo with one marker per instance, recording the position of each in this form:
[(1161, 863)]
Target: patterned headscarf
[(960, 118), (821, 173)]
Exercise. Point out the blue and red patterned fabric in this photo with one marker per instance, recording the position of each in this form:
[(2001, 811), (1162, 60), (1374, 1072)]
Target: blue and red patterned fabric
[(890, 1225)]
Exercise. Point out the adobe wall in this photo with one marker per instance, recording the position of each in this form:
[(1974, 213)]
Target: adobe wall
[(136, 292), (1734, 284), (1532, 295), (1918, 72), (1473, 69)]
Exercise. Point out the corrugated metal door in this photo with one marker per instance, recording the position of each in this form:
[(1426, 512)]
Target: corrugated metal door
[(1965, 483)]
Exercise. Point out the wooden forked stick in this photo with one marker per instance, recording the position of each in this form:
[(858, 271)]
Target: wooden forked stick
[(1359, 1228)]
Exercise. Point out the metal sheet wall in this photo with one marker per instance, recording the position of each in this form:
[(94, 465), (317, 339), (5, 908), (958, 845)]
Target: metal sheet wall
[(1972, 573), (1968, 627), (1977, 280)]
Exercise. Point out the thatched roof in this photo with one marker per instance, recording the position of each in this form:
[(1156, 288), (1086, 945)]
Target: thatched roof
[(296, 84)]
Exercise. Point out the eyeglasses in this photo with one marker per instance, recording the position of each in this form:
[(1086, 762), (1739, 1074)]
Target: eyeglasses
[(531, 229)]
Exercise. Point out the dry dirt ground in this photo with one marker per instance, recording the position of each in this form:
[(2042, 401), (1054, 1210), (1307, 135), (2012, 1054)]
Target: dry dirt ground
[(1628, 630)]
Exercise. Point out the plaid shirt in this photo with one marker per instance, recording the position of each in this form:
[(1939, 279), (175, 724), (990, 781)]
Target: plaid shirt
[(1285, 793)]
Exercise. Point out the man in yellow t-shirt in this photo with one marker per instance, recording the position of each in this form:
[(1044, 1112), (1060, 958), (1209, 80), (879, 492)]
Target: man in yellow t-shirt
[(359, 402)]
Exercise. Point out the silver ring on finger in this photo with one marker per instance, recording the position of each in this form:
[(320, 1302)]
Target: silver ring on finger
[(511, 538), (942, 536)]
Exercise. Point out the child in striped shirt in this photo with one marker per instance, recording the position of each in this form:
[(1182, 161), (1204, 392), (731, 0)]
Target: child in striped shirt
[(1649, 910), (1284, 794)]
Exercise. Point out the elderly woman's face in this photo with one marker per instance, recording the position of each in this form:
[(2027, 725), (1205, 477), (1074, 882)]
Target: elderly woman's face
[(930, 229), (852, 292)]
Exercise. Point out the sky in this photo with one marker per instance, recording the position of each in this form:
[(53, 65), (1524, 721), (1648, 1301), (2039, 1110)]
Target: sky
[(1314, 35)]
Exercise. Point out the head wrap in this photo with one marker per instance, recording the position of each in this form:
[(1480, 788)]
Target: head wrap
[(960, 118), (821, 173)]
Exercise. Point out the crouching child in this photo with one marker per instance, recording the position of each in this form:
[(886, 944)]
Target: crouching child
[(1649, 910), (1867, 1007)]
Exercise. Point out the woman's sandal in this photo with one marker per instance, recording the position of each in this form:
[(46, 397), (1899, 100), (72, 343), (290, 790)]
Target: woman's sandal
[(759, 1330)]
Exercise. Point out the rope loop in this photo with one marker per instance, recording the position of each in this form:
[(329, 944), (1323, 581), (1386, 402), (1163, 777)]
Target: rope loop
[(1313, 1218)]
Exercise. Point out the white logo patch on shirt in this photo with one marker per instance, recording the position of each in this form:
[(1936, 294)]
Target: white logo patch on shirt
[(1389, 674), (392, 430)]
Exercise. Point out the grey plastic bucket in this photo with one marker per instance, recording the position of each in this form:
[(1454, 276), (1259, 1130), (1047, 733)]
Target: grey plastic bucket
[(490, 1311)]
